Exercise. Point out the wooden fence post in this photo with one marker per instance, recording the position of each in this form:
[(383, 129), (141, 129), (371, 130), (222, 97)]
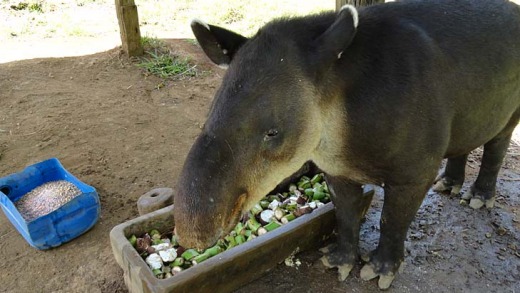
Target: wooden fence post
[(129, 27), (357, 3)]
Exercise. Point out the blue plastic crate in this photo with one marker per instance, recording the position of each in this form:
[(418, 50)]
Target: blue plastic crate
[(62, 225)]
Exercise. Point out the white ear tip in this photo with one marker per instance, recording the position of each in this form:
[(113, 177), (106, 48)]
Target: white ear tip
[(353, 12), (196, 21)]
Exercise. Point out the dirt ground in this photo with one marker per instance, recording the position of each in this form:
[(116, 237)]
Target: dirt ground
[(122, 133)]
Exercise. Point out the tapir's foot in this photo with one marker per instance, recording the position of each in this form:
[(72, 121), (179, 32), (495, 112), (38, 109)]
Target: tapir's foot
[(444, 183), (376, 267), (337, 258), (478, 198)]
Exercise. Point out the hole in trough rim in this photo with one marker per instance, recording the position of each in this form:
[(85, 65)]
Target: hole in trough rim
[(5, 189), (154, 194)]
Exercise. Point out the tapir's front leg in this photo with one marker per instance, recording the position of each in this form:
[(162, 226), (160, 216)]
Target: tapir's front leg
[(347, 196), (400, 206)]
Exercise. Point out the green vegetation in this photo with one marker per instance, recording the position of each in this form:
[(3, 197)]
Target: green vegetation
[(168, 66), (32, 7), (160, 61)]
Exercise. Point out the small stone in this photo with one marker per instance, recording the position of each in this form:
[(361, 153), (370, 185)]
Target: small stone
[(500, 257), (488, 235), (501, 231)]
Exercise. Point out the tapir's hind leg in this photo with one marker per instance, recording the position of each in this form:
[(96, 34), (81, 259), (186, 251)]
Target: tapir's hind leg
[(452, 178), (482, 192)]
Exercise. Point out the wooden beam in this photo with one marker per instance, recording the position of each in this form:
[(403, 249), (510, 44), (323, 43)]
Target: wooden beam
[(129, 27), (357, 3)]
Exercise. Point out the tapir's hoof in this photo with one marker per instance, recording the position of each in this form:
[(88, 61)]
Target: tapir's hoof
[(477, 203), (477, 200), (337, 259), (372, 270), (445, 185), (343, 270), (327, 249), (384, 282)]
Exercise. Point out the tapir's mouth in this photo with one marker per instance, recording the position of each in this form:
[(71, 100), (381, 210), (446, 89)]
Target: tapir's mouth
[(235, 215)]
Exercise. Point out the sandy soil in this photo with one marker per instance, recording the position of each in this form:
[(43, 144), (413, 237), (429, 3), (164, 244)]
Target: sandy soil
[(117, 130)]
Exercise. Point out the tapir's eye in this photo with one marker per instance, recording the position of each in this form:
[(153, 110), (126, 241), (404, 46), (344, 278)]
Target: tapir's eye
[(270, 134)]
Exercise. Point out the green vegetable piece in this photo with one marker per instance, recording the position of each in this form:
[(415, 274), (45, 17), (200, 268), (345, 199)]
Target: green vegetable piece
[(253, 224), (287, 218), (271, 226), (309, 192), (291, 206), (212, 251), (239, 227), (304, 178), (264, 204), (157, 272), (325, 187), (292, 188), (318, 195), (154, 232), (200, 258), (251, 237), (256, 209), (189, 254), (177, 262), (240, 239), (174, 241), (304, 184), (247, 233), (133, 240), (231, 241), (156, 241), (317, 178), (273, 197), (221, 243)]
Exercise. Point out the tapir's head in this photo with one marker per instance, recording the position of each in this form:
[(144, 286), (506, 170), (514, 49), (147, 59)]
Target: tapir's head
[(265, 121)]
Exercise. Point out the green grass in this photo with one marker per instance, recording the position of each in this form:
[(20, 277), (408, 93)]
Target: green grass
[(168, 66), (32, 7), (152, 43), (161, 62)]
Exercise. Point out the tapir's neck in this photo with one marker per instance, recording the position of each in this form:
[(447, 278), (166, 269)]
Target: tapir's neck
[(332, 153)]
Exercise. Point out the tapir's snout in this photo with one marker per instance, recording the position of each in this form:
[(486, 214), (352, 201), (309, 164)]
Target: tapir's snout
[(209, 201)]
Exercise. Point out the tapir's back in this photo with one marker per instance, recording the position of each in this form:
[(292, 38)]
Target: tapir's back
[(455, 62)]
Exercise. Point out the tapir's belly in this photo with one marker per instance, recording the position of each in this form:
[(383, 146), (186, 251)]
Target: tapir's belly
[(483, 114)]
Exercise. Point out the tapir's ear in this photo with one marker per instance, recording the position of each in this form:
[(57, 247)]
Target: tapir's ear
[(219, 44), (331, 44)]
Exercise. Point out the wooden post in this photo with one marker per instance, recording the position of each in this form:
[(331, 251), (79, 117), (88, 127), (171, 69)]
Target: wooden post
[(129, 27), (357, 3)]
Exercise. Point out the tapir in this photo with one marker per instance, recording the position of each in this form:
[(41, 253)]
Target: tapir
[(376, 95)]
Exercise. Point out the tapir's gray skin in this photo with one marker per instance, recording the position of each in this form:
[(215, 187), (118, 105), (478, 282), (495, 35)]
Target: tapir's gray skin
[(379, 102)]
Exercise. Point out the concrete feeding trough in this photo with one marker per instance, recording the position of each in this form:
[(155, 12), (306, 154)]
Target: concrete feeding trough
[(230, 269), (60, 225)]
